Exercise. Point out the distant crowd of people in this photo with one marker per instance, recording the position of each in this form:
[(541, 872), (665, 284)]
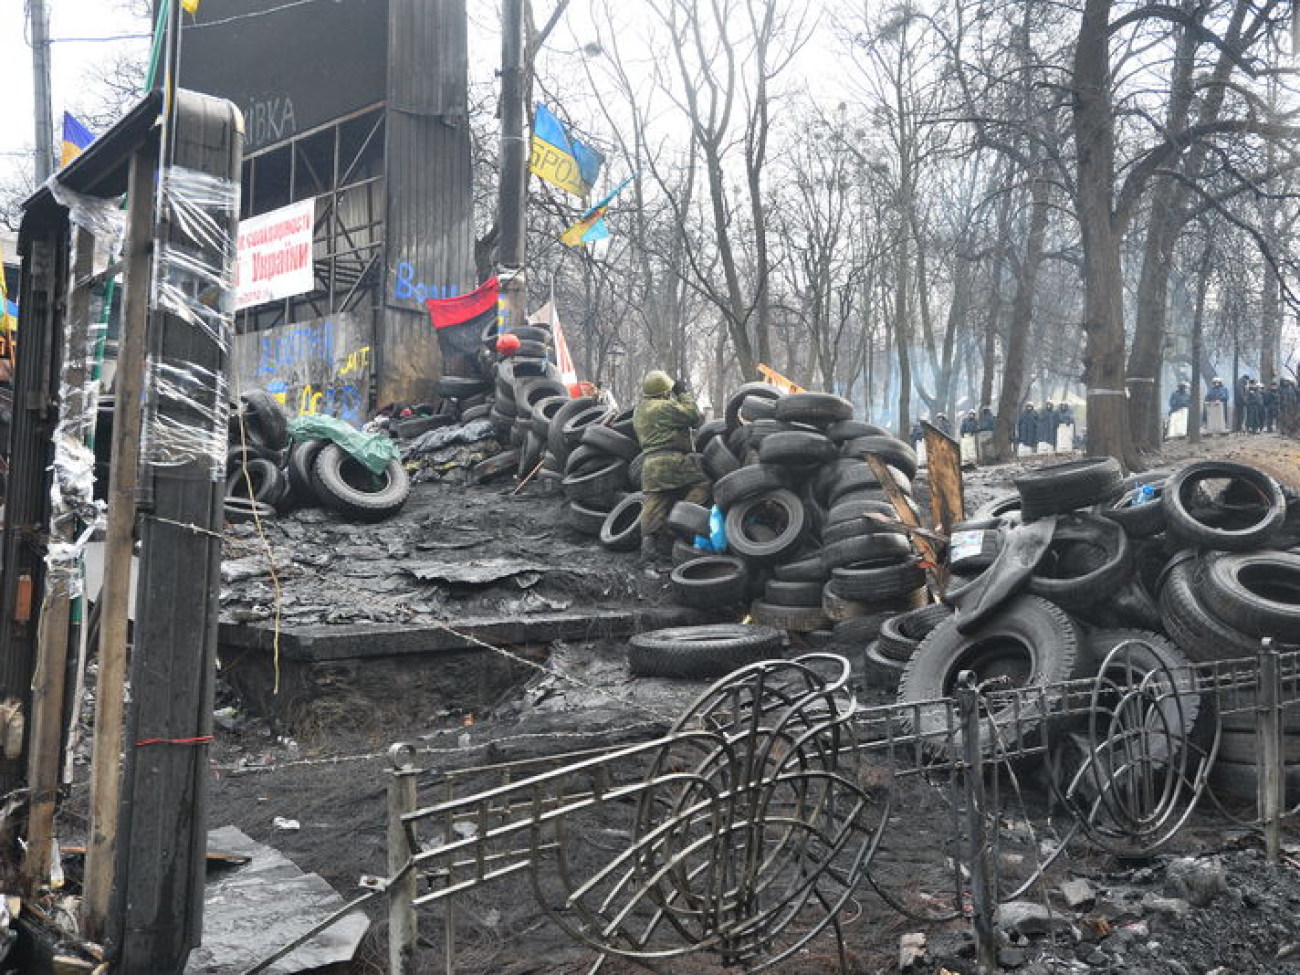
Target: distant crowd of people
[(1256, 408), (1046, 430)]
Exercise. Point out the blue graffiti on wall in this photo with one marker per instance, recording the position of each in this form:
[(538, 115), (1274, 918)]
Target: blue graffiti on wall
[(406, 288), (297, 348)]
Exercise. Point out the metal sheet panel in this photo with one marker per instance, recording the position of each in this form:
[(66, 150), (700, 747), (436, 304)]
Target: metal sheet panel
[(430, 238), (335, 63)]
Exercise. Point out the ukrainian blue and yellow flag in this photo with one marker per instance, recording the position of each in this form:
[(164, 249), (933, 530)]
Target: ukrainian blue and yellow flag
[(75, 138), (591, 226), (560, 160)]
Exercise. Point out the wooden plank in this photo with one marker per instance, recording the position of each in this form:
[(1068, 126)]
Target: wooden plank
[(54, 630), (119, 541), (943, 454), (921, 538)]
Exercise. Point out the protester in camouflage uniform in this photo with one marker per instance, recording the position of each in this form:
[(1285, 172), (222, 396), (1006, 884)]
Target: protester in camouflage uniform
[(663, 420)]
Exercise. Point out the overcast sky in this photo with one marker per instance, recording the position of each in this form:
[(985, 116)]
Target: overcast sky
[(70, 61)]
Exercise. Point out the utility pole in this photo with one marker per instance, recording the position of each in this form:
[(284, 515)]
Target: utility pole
[(40, 27), (514, 173)]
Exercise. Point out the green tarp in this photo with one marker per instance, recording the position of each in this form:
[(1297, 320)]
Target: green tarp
[(375, 451)]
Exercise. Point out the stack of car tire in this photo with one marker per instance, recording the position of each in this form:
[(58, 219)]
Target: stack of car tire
[(1195, 565), (812, 541), (266, 476)]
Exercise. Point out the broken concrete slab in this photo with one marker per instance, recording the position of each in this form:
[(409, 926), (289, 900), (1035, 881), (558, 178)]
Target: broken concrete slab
[(254, 910), (1078, 894)]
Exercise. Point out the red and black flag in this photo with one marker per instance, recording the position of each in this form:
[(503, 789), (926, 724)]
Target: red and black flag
[(462, 323)]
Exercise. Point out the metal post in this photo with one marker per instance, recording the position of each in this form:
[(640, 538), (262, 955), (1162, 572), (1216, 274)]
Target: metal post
[(40, 24), (402, 924), (1268, 730), (983, 898), (514, 172)]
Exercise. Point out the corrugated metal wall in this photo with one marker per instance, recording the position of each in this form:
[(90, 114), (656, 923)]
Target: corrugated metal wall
[(430, 235)]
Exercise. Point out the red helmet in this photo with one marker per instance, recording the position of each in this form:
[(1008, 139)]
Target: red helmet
[(508, 343)]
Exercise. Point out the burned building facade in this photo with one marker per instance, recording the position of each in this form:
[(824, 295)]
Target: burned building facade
[(357, 149)]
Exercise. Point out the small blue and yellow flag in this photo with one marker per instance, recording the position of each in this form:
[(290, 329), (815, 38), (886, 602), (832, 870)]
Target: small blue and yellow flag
[(190, 6), (559, 159), (75, 138), (591, 226)]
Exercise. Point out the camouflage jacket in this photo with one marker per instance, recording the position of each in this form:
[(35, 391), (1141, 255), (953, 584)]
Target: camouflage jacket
[(663, 425)]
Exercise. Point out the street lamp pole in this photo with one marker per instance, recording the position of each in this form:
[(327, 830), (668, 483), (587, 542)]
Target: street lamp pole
[(514, 173)]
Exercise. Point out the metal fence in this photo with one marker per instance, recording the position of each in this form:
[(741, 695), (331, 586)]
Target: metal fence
[(745, 830)]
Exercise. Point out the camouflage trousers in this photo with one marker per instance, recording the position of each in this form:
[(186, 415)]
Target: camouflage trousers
[(657, 504)]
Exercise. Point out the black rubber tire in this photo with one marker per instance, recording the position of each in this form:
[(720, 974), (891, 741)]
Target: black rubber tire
[(852, 429), (795, 448), (528, 366), (1029, 643), (869, 582), (709, 430), (747, 482), (530, 455), (688, 519), (529, 393), (578, 423), (781, 593), (731, 412), (529, 349), (710, 582), (532, 333), (1060, 488), (701, 651), (858, 631), (900, 635), (585, 520), (555, 441), (298, 469), (850, 481), (718, 460), (476, 413), (1257, 593), (542, 413), (603, 482), (498, 465), (257, 478), (264, 412), (809, 569), (584, 460), (604, 439), (634, 469), (1184, 524), (840, 608), (1243, 746), (878, 671), (818, 409), (1240, 780), (1102, 577), (859, 510), (623, 423), (1202, 635), (621, 530), (683, 553), (891, 450), (461, 387), (795, 619), (237, 510), (1140, 520), (335, 479), (871, 547), (780, 512), (1006, 507), (756, 408)]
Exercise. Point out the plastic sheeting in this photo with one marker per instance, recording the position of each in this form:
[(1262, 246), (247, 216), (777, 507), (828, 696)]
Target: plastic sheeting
[(374, 451)]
